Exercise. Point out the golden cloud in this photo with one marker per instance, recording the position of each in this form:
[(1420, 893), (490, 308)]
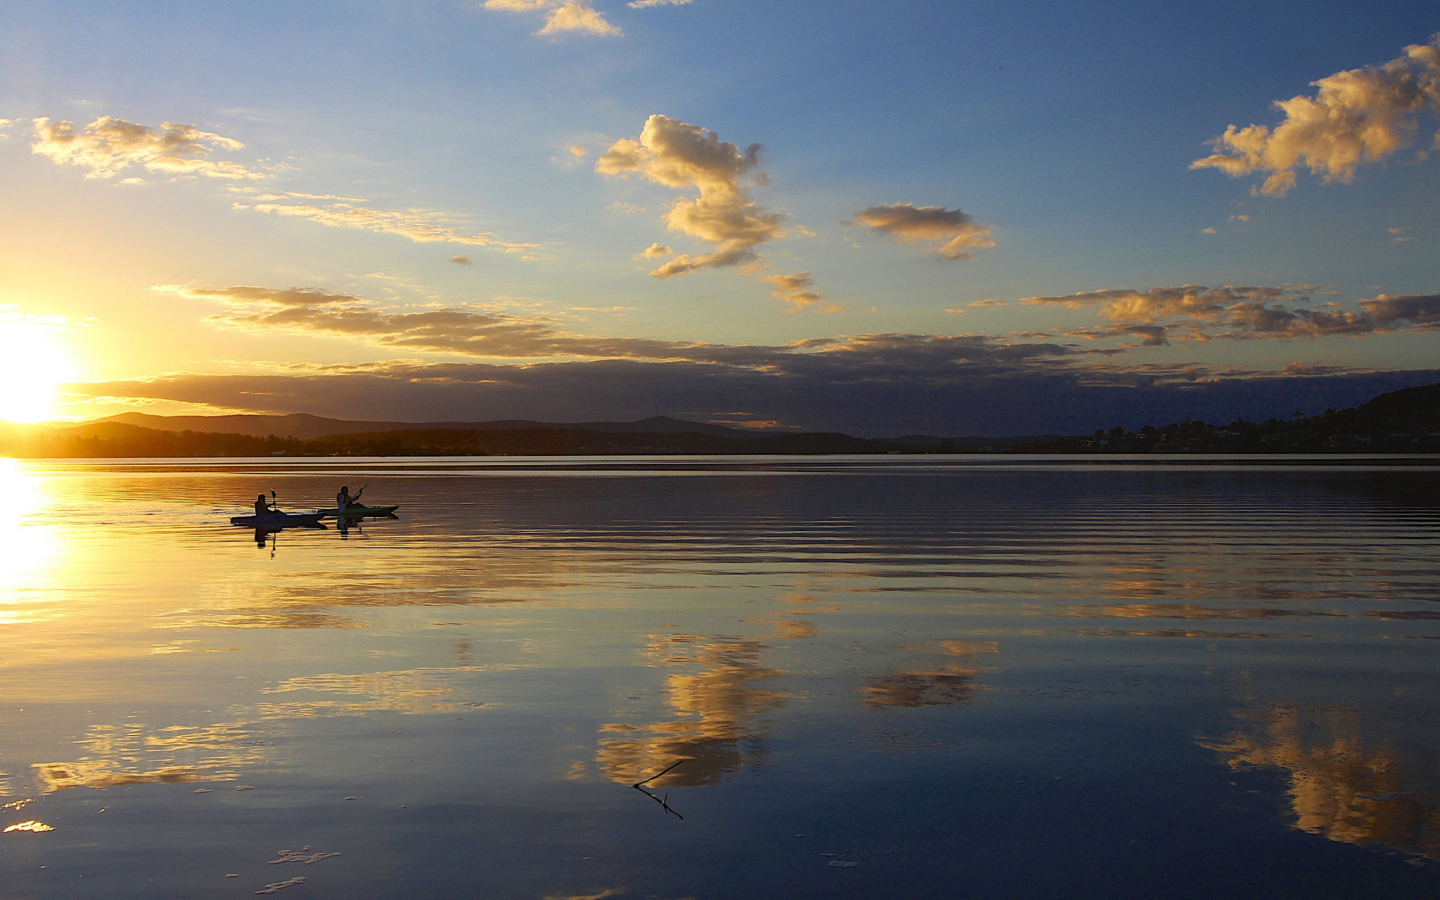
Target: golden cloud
[(579, 18), (796, 290), (564, 16), (679, 155), (1359, 115), (1244, 312), (675, 154), (956, 231), (108, 146)]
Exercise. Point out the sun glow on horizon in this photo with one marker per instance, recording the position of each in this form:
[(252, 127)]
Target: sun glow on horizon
[(33, 365)]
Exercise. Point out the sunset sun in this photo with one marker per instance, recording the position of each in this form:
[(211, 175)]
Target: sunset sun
[(32, 366)]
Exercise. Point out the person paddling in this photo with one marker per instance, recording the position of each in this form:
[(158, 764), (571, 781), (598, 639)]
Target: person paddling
[(344, 501), (262, 506)]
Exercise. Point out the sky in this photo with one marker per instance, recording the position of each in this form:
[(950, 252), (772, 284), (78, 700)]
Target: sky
[(879, 218)]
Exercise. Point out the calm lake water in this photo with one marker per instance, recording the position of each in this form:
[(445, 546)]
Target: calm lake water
[(860, 677)]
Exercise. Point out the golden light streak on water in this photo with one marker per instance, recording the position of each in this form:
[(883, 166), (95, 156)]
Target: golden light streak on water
[(27, 545)]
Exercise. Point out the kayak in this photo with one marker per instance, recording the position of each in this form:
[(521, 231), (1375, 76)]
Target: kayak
[(277, 520), (359, 512)]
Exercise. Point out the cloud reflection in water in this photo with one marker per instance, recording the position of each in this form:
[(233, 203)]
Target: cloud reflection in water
[(718, 733), (1341, 786)]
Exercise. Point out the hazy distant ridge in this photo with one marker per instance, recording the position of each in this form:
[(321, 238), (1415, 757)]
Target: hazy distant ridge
[(305, 427), (1405, 421)]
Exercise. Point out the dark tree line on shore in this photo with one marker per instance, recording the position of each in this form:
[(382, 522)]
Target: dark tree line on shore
[(1405, 421), (111, 440)]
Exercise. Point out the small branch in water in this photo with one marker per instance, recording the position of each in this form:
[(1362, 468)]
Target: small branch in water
[(663, 801)]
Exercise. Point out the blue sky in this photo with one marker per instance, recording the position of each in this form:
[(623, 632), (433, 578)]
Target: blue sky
[(1053, 141)]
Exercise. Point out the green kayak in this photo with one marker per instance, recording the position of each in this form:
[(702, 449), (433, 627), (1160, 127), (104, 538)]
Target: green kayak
[(359, 512)]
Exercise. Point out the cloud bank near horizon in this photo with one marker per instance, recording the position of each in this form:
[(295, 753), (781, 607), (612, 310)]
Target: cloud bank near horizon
[(468, 331), (1198, 313)]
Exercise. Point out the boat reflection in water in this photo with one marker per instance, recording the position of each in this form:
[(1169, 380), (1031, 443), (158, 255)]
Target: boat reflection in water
[(347, 524)]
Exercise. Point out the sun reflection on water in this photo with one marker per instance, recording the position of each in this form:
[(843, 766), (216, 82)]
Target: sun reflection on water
[(27, 547)]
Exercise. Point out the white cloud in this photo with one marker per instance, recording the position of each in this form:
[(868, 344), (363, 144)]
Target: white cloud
[(647, 4), (422, 226), (462, 260), (108, 146), (956, 231), (1359, 115), (248, 294), (654, 251), (10, 315)]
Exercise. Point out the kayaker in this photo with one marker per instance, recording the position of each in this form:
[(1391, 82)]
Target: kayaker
[(344, 501), (262, 506)]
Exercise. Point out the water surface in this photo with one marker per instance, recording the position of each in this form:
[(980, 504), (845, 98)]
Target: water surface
[(853, 677)]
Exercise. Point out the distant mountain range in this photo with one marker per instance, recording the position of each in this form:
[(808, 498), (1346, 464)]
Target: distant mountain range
[(202, 436), (307, 427), (1404, 421)]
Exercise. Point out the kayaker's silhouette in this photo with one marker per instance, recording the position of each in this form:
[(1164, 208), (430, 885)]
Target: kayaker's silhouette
[(343, 500), (262, 506)]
